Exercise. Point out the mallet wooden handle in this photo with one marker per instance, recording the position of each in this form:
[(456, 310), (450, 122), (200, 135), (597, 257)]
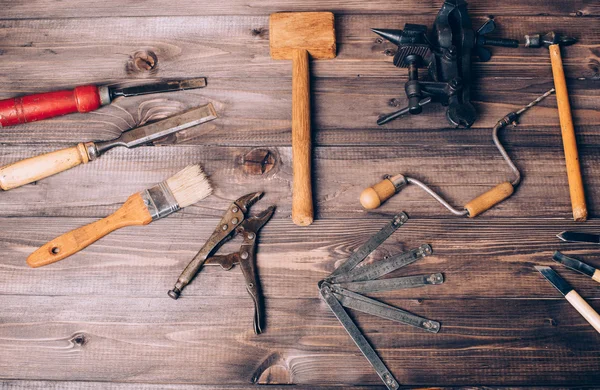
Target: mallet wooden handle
[(568, 136), (302, 202), (133, 212), (584, 309), (39, 167)]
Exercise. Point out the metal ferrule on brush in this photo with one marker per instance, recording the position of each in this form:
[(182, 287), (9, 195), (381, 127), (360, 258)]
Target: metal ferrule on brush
[(160, 201)]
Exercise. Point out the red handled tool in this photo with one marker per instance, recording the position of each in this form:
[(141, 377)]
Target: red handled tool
[(84, 98)]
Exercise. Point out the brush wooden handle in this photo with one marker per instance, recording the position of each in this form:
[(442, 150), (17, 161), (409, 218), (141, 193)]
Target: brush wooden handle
[(568, 136), (596, 276), (489, 199), (584, 309), (39, 167), (133, 212), (302, 202)]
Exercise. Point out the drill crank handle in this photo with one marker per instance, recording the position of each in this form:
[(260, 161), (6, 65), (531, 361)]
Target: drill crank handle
[(40, 167), (406, 110), (31, 108)]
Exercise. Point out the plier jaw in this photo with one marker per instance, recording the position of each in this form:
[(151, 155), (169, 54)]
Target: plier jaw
[(235, 221)]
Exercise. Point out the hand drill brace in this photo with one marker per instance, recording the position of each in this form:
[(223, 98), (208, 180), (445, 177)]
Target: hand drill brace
[(447, 57)]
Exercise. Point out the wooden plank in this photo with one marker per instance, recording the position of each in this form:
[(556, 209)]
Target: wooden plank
[(487, 258), (73, 51), (487, 342), (252, 92), (87, 385), (49, 9), (255, 113), (341, 174)]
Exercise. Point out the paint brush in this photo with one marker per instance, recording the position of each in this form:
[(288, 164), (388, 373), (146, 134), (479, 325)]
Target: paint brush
[(186, 187)]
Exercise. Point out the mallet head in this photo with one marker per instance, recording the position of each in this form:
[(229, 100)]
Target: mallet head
[(312, 31), (550, 38)]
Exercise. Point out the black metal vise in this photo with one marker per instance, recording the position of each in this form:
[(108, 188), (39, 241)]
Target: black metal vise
[(447, 56)]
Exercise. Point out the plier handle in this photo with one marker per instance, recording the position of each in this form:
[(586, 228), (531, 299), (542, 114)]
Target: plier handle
[(233, 222)]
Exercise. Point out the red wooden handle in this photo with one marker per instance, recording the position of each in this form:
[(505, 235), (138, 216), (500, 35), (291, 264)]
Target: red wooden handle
[(40, 106)]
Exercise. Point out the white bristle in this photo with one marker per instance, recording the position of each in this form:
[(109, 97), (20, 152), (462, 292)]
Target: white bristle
[(190, 185)]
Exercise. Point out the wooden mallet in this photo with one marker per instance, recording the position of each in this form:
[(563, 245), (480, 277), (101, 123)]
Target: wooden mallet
[(295, 35), (553, 42)]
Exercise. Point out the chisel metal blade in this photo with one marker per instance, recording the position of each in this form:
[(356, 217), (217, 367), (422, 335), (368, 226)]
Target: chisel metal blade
[(577, 265), (558, 282), (568, 236), (148, 133), (164, 86)]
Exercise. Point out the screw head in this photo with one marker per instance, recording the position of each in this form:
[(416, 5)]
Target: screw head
[(251, 236), (224, 227), (235, 221), (235, 210), (244, 255)]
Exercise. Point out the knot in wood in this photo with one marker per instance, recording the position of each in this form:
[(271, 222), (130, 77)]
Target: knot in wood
[(258, 161), (78, 339), (142, 61)]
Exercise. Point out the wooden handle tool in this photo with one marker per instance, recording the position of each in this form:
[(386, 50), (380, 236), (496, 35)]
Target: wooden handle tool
[(42, 166), (568, 136), (374, 196), (36, 168), (295, 36), (186, 187), (572, 296), (133, 212)]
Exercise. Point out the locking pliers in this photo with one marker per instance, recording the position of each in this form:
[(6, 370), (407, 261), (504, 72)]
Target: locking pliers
[(233, 222)]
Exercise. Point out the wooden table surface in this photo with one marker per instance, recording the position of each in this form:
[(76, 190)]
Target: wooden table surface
[(103, 315)]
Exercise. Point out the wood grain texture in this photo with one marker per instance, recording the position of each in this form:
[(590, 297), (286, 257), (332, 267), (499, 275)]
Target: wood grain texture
[(102, 319), (133, 340), (134, 212)]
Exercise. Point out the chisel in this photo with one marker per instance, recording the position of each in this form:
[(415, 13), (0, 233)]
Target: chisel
[(39, 167), (577, 266), (568, 236), (572, 296), (85, 98)]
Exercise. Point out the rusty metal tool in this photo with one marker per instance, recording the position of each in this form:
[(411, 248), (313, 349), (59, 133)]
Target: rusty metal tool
[(446, 54), (571, 295), (40, 167), (374, 196), (296, 36), (554, 42), (85, 98), (577, 266), (234, 222), (345, 286)]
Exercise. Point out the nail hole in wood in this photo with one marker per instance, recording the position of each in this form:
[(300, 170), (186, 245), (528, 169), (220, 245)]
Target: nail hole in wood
[(56, 250)]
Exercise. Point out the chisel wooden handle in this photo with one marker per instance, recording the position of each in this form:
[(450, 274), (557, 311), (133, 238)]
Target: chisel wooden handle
[(584, 309), (133, 212), (568, 136), (40, 106), (302, 203), (39, 167)]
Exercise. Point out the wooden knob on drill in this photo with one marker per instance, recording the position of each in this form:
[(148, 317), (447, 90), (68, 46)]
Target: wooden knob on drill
[(374, 196)]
